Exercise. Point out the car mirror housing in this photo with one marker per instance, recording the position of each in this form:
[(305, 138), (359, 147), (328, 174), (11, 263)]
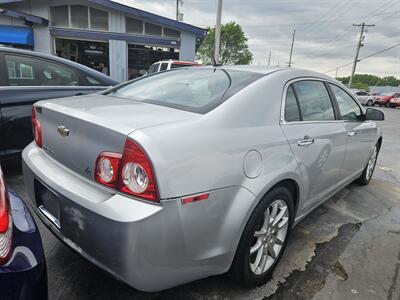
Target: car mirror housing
[(373, 114)]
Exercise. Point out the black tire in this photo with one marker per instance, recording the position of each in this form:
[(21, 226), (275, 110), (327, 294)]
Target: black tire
[(240, 270), (363, 179), (370, 102)]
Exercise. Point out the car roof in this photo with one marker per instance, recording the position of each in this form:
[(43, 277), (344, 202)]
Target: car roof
[(268, 70), (64, 61)]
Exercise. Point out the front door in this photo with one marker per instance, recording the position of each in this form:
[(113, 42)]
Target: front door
[(360, 133)]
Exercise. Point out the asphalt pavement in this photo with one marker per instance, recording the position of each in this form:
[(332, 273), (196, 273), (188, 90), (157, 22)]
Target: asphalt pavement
[(348, 248)]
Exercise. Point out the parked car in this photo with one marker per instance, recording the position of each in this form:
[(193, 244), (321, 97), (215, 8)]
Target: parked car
[(394, 102), (26, 77), (365, 98), (205, 174), (170, 64), (384, 98), (22, 263)]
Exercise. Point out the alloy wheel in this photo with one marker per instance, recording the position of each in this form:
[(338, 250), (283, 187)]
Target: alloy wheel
[(269, 239)]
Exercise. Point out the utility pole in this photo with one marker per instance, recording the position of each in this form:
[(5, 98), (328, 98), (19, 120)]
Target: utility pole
[(291, 49), (337, 69), (359, 45), (217, 42), (178, 2), (269, 58)]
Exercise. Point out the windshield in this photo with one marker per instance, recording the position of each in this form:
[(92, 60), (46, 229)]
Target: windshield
[(196, 90)]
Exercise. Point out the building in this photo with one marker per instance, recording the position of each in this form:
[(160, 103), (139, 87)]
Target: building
[(113, 38)]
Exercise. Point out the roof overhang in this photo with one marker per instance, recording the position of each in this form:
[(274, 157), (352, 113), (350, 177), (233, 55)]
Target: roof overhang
[(29, 19), (150, 17)]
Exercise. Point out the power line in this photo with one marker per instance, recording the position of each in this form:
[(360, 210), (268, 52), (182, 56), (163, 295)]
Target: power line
[(365, 57)]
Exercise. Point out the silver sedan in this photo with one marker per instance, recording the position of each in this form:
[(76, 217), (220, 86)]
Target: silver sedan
[(195, 172)]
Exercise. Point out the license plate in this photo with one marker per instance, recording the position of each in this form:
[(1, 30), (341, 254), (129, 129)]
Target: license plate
[(48, 203)]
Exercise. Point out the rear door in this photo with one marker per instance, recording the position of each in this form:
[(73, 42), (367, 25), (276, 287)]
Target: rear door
[(317, 139), (359, 133), (27, 80)]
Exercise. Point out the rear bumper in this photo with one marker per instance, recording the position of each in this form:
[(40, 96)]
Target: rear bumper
[(150, 247), (24, 276)]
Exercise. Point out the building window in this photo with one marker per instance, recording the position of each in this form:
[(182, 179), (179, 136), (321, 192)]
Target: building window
[(171, 33), (152, 29), (59, 16), (134, 26), (98, 19), (78, 16)]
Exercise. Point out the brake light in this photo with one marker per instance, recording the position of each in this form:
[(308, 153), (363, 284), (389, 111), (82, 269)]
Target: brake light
[(5, 223), (36, 128), (131, 173)]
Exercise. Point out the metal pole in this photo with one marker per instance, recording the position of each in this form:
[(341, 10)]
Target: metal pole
[(359, 45), (291, 49), (177, 10), (269, 58), (217, 43)]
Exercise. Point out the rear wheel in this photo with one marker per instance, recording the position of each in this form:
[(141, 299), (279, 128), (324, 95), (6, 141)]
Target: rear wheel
[(370, 102), (264, 238), (366, 175)]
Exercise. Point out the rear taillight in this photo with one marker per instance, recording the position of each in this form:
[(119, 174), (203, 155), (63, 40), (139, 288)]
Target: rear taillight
[(5, 223), (36, 128), (131, 173), (107, 167)]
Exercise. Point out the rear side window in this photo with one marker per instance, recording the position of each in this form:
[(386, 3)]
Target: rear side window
[(292, 113), (27, 71), (196, 90), (349, 110), (315, 103)]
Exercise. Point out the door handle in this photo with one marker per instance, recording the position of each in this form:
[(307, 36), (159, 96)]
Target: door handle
[(351, 133), (307, 141)]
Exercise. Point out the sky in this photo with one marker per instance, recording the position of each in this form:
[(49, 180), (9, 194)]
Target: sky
[(325, 37)]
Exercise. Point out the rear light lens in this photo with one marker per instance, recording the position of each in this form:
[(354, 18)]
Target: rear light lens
[(36, 129), (131, 173), (107, 167), (137, 176), (5, 223)]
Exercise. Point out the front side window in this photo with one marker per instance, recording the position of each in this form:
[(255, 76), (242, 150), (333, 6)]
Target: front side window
[(315, 103), (292, 113), (190, 89), (26, 71), (164, 66), (349, 109)]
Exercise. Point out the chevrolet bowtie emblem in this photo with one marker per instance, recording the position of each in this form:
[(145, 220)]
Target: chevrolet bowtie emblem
[(63, 131)]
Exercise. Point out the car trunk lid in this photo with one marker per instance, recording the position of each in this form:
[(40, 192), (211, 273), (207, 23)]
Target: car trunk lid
[(76, 130)]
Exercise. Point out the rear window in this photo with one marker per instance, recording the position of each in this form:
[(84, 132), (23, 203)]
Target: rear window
[(176, 66), (197, 90)]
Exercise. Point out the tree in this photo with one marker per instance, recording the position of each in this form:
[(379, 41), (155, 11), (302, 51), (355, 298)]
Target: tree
[(370, 80), (234, 48)]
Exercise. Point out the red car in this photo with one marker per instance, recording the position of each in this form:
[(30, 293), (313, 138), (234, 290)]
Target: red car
[(385, 98), (394, 102)]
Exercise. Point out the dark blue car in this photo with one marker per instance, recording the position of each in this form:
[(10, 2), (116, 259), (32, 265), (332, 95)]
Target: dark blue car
[(22, 264)]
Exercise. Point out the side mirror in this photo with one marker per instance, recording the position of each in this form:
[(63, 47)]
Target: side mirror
[(142, 72), (373, 114)]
